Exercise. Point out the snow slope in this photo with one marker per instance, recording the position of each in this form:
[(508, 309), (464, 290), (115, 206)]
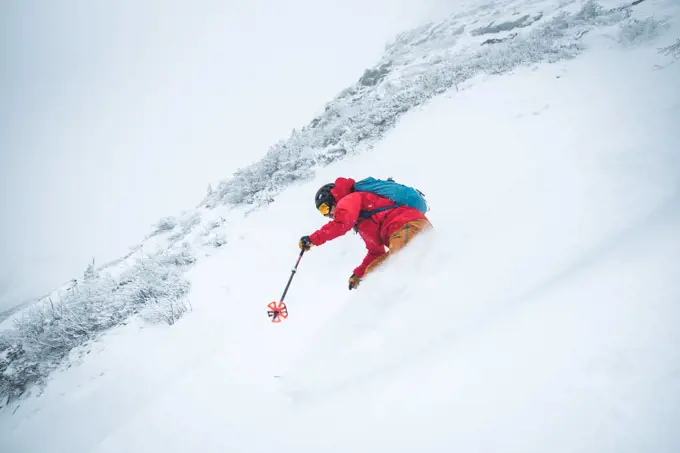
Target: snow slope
[(539, 315)]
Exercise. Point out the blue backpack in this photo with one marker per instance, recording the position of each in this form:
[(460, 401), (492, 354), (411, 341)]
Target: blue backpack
[(400, 194)]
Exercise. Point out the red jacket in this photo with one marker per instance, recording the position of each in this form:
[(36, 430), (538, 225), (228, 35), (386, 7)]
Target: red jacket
[(374, 230)]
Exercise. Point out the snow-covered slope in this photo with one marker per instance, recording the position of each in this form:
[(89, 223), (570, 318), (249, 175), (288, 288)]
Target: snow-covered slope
[(539, 315)]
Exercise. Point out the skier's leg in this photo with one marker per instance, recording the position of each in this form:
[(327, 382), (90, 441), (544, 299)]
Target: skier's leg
[(406, 233), (399, 239), (375, 264)]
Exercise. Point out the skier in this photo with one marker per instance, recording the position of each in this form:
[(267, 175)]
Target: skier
[(379, 222)]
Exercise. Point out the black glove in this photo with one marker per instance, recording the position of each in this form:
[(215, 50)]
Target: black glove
[(354, 282), (305, 243)]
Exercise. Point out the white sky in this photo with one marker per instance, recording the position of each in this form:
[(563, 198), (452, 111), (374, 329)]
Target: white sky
[(115, 114)]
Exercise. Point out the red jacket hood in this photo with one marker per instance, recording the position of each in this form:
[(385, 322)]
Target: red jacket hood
[(343, 187)]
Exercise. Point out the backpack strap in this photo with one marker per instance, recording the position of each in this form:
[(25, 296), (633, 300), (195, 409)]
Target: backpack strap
[(367, 214), (363, 215)]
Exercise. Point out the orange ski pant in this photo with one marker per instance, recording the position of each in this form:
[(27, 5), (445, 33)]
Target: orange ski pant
[(399, 239)]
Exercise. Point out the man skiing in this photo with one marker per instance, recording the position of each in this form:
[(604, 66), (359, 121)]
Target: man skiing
[(379, 221)]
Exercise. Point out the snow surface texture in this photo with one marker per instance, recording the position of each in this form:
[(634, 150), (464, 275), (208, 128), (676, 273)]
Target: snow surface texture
[(541, 314)]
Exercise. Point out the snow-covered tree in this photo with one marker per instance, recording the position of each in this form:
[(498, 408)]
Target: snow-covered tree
[(43, 335)]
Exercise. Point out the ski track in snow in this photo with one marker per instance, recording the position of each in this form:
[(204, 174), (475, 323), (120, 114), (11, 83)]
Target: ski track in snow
[(539, 315)]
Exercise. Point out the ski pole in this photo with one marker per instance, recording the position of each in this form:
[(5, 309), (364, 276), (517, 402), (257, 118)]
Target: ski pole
[(292, 274), (279, 311)]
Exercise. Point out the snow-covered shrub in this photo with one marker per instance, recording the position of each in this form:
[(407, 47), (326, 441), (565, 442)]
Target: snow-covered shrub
[(91, 271), (165, 310), (165, 224), (671, 51), (43, 335), (372, 77), (637, 31), (186, 224), (214, 238), (494, 28)]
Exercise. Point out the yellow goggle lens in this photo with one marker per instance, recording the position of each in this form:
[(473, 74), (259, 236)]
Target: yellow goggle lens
[(324, 209)]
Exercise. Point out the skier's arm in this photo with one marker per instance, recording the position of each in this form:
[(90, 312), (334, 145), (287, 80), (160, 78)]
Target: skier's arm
[(374, 252), (346, 216)]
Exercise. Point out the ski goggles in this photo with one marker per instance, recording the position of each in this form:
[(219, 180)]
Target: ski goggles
[(324, 209)]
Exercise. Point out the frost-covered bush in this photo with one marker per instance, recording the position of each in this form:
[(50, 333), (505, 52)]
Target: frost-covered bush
[(186, 224), (637, 31), (165, 224), (494, 28), (215, 238), (91, 271), (165, 310), (43, 335), (672, 51)]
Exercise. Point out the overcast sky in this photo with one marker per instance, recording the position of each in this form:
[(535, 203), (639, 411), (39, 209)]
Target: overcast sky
[(117, 113)]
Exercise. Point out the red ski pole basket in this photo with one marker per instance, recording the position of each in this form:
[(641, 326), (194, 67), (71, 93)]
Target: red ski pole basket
[(277, 311)]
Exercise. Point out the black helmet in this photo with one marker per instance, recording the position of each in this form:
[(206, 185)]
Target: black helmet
[(324, 195)]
